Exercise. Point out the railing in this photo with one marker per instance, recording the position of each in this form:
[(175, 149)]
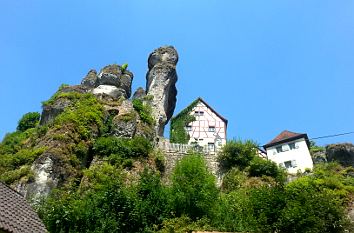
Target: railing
[(184, 148)]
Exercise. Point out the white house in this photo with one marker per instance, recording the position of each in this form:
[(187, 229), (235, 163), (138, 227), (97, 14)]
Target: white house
[(290, 150), (209, 128)]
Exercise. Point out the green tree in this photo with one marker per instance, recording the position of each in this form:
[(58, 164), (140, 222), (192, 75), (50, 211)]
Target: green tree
[(29, 120), (237, 153), (193, 190)]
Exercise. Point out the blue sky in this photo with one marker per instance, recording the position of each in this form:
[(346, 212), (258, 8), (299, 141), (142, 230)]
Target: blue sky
[(264, 65)]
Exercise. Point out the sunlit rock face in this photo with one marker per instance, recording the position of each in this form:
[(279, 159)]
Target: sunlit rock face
[(161, 81)]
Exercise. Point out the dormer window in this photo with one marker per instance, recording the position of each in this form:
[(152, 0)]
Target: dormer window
[(198, 113)]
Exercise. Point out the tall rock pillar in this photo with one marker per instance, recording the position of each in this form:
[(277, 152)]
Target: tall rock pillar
[(160, 84)]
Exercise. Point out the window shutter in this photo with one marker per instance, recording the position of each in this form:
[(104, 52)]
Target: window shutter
[(293, 163)]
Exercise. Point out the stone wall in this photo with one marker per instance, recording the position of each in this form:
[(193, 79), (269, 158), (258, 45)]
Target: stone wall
[(175, 152)]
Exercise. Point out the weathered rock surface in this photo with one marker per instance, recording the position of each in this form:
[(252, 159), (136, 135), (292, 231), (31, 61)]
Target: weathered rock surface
[(113, 76), (161, 79), (139, 93), (109, 90), (124, 124), (342, 153), (49, 112), (90, 80)]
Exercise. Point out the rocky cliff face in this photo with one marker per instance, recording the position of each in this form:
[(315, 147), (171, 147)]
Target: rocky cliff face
[(342, 153), (160, 84), (77, 115)]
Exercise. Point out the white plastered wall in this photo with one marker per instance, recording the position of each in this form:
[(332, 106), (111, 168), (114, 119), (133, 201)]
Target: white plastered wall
[(301, 155)]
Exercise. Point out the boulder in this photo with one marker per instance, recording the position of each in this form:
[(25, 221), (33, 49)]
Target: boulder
[(90, 80), (161, 84), (125, 122), (109, 90), (113, 75), (51, 111), (342, 153), (139, 93)]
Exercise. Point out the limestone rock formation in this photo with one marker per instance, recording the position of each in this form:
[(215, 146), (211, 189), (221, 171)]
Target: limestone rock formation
[(139, 93), (90, 80), (342, 153), (111, 80), (161, 79)]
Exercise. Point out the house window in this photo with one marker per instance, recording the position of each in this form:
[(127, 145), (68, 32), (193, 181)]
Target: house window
[(189, 128), (201, 139), (211, 146), (292, 146), (279, 149), (211, 129), (198, 113), (287, 164), (290, 164)]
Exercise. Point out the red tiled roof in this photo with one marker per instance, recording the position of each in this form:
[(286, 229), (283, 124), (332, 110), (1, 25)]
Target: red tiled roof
[(285, 136), (16, 215)]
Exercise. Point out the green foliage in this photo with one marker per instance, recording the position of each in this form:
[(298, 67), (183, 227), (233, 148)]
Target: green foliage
[(309, 209), (262, 167), (144, 111), (13, 142), (237, 153), (193, 187), (15, 166), (29, 120), (86, 114), (108, 205), (122, 147), (183, 224), (178, 133), (124, 67), (233, 180)]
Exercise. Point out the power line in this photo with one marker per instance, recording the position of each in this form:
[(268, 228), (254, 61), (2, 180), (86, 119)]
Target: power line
[(332, 135)]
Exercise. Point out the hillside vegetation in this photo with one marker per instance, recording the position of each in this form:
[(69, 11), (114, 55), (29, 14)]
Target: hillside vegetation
[(122, 190)]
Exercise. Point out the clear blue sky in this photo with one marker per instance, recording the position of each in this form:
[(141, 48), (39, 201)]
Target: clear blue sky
[(264, 65)]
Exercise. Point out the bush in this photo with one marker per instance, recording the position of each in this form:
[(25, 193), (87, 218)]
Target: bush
[(261, 167), (309, 209), (122, 147), (29, 120), (233, 180), (237, 153), (144, 111), (193, 187)]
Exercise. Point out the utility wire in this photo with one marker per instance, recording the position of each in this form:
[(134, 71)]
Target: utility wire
[(331, 136)]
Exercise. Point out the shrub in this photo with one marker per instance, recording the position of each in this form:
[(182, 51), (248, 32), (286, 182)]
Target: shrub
[(233, 180), (237, 153), (29, 120), (122, 147), (261, 167), (144, 111), (193, 187)]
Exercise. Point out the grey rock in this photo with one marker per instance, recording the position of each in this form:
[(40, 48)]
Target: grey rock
[(342, 153), (108, 79), (163, 54), (139, 93), (49, 112), (124, 124), (90, 80), (161, 79), (123, 128), (113, 75), (126, 83)]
